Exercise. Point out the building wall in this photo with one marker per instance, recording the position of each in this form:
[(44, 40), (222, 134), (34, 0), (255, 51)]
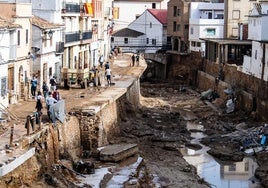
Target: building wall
[(128, 15), (236, 12), (149, 25)]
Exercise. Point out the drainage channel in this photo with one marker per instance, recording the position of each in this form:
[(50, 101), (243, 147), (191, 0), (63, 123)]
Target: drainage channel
[(234, 175)]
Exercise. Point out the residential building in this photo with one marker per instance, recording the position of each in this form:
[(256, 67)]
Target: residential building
[(83, 36), (129, 40), (235, 18), (8, 44), (47, 48), (206, 21), (19, 66), (178, 25), (255, 60), (126, 11), (147, 34)]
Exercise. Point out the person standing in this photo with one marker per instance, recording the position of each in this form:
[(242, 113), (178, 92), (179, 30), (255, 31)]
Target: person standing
[(56, 95), (133, 60), (108, 74), (138, 59), (34, 83), (50, 101)]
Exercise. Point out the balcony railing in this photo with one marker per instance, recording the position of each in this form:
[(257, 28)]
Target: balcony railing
[(72, 37), (87, 35), (59, 47), (78, 36), (71, 8)]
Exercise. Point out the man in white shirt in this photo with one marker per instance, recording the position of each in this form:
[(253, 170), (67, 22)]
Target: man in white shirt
[(108, 73)]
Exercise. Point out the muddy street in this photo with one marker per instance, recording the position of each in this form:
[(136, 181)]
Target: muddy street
[(159, 128)]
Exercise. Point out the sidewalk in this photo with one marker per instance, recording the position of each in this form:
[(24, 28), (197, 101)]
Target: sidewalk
[(121, 73)]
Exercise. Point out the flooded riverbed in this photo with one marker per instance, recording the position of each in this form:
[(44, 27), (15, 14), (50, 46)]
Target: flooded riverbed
[(233, 175)]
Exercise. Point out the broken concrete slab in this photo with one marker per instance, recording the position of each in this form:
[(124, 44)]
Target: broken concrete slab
[(118, 152)]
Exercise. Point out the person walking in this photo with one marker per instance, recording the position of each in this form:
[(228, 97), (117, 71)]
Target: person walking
[(108, 74), (50, 101), (39, 107), (34, 83), (133, 60), (107, 65), (53, 83), (45, 89), (101, 60)]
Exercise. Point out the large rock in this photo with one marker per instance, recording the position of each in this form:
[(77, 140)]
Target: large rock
[(118, 152)]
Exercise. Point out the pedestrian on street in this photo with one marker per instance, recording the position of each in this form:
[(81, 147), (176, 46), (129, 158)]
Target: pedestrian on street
[(39, 107), (50, 101), (45, 89), (34, 83), (133, 60), (53, 83), (107, 65), (108, 74), (138, 59), (101, 60), (56, 95)]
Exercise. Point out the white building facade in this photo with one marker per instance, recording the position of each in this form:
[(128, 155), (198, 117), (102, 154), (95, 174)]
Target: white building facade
[(206, 21), (255, 63), (153, 23), (126, 11)]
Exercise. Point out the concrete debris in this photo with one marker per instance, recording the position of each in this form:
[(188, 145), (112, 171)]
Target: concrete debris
[(118, 152)]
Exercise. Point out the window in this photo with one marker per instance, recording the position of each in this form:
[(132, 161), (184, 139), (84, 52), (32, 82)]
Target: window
[(179, 12), (198, 44), (147, 40), (153, 5), (256, 53), (153, 41), (27, 36), (186, 27), (178, 27), (174, 26), (112, 39), (210, 15), (151, 25), (193, 43), (18, 38), (236, 14), (211, 32), (174, 11), (125, 40), (192, 31), (232, 168)]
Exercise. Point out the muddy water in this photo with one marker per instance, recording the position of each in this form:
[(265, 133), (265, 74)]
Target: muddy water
[(234, 175)]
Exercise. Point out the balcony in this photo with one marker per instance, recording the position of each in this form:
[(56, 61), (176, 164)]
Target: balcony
[(72, 37), (59, 47), (71, 8)]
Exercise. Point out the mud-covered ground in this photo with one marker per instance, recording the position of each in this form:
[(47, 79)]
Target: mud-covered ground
[(159, 129)]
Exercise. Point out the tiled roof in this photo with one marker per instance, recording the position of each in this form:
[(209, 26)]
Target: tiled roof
[(8, 24), (160, 15), (126, 32), (44, 24)]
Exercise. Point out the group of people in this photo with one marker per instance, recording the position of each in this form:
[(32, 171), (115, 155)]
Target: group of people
[(50, 95), (135, 59)]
